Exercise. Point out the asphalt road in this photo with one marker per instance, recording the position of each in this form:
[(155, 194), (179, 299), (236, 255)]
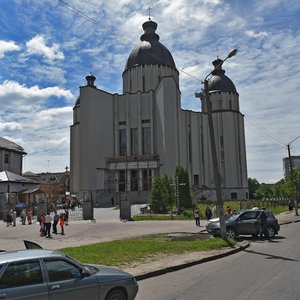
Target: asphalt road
[(262, 271)]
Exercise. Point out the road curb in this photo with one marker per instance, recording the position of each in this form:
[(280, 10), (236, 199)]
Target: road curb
[(289, 222), (162, 271)]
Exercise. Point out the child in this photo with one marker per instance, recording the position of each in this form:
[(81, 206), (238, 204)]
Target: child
[(62, 223)]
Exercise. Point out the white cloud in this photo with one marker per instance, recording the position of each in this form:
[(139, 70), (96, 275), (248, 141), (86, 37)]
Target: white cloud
[(8, 46), (10, 126), (16, 95), (254, 34), (37, 45)]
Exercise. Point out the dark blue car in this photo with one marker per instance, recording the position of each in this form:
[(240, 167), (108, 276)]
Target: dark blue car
[(244, 222)]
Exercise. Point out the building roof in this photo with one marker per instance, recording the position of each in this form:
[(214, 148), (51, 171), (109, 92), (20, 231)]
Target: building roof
[(219, 81), (9, 145), (150, 51), (7, 176)]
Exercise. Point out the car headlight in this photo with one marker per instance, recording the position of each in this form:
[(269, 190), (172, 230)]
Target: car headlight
[(214, 225)]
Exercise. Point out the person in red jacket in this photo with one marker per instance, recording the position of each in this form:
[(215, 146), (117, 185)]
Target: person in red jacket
[(62, 223)]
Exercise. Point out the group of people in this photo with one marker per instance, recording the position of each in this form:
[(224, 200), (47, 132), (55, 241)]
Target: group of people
[(209, 213), (25, 215), (46, 222), (11, 217)]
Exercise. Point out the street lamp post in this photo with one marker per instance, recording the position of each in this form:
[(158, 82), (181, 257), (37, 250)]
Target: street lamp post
[(293, 177), (217, 179)]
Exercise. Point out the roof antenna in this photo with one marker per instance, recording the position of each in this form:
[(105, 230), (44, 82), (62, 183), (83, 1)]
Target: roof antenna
[(149, 12), (217, 50)]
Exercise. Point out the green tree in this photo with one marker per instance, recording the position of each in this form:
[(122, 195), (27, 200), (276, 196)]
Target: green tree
[(263, 191), (279, 188), (288, 186), (162, 195), (253, 185), (183, 187)]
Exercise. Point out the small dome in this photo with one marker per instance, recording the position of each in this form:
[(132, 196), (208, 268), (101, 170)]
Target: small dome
[(219, 81), (150, 51)]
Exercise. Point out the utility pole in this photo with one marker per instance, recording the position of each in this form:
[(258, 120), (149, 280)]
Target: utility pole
[(217, 176), (293, 179)]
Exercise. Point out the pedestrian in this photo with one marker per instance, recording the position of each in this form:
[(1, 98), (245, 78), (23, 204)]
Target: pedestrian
[(9, 218), (23, 216), (62, 223), (112, 201), (29, 216), (42, 224), (262, 220), (228, 210), (208, 213), (66, 214), (55, 222), (197, 216), (48, 221), (214, 211), (291, 205), (14, 218)]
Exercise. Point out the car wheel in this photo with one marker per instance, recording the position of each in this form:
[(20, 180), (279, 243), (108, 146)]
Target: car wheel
[(271, 231), (231, 234), (116, 294)]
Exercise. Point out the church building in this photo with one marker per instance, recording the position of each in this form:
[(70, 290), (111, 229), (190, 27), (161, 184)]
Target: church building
[(120, 142)]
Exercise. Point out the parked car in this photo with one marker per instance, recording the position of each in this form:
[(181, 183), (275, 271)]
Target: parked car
[(244, 222), (39, 274)]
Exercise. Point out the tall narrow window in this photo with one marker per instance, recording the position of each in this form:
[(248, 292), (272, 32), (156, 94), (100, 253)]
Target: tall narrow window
[(222, 148), (6, 158), (122, 181), (146, 141), (134, 143), (230, 104), (144, 84), (134, 180), (147, 180), (122, 142)]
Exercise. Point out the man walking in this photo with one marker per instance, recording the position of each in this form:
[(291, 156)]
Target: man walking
[(48, 221), (262, 220), (55, 222), (197, 216)]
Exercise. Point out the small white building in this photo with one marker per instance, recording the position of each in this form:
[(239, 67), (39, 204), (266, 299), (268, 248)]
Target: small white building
[(119, 142)]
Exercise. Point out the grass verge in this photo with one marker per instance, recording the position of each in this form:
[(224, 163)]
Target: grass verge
[(136, 250)]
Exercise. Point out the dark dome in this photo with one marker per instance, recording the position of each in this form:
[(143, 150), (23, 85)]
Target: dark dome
[(150, 51), (219, 81)]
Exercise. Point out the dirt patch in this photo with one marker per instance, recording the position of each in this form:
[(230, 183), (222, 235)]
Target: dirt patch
[(187, 236)]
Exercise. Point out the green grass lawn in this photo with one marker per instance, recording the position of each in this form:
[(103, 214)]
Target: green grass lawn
[(128, 251), (188, 214)]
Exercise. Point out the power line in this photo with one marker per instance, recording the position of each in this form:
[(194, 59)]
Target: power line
[(107, 29), (264, 132), (97, 23)]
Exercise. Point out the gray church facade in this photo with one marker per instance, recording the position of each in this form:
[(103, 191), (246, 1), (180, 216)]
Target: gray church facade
[(120, 142)]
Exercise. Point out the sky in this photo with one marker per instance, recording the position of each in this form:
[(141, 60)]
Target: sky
[(47, 47)]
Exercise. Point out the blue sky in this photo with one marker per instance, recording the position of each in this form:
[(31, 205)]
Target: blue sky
[(47, 49)]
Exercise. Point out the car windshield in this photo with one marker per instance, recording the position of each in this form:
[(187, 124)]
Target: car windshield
[(231, 216)]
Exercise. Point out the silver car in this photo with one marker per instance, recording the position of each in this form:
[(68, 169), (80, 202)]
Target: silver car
[(39, 274)]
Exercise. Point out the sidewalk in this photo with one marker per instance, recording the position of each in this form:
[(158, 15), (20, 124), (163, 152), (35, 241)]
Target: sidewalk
[(86, 232)]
